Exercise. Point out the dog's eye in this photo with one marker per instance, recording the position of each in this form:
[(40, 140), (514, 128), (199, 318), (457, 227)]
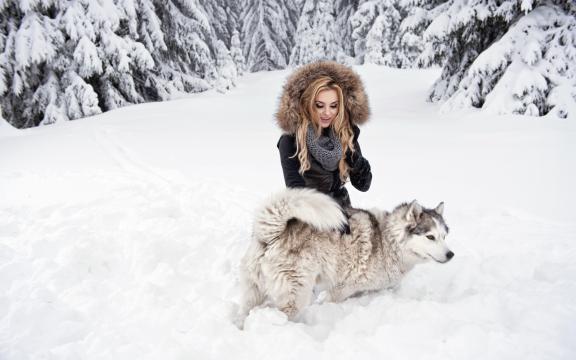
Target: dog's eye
[(431, 237)]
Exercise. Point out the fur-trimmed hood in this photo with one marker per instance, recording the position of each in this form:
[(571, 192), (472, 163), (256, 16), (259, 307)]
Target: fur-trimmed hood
[(356, 101)]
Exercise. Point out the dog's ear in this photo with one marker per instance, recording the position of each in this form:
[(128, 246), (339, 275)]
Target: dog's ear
[(414, 211), (440, 208)]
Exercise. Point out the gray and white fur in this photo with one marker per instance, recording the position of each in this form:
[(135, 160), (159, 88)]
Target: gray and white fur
[(296, 245)]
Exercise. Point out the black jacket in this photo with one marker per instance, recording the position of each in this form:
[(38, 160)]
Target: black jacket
[(320, 179)]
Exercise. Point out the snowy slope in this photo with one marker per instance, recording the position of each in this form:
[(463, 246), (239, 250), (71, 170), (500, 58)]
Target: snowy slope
[(120, 235)]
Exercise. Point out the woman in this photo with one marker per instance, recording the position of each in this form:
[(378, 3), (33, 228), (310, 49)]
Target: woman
[(321, 107)]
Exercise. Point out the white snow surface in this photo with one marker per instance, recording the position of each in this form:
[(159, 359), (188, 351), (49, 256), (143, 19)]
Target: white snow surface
[(121, 234)]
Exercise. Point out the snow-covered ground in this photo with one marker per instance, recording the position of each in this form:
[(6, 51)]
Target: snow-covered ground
[(120, 235)]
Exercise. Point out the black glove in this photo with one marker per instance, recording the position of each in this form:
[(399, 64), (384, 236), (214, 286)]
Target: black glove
[(352, 158), (362, 167), (361, 174), (357, 162)]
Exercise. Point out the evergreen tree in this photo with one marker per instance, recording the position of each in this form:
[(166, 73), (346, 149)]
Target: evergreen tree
[(236, 53), (144, 24), (419, 15), (361, 22), (224, 17), (189, 59), (508, 57), (226, 68), (529, 70), (459, 34), (316, 36), (268, 33), (344, 11), (30, 42), (376, 33), (64, 60)]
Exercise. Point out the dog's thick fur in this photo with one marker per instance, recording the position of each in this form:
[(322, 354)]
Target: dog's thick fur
[(297, 245)]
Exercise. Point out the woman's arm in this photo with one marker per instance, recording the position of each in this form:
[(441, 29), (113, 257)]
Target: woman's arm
[(360, 171), (290, 164)]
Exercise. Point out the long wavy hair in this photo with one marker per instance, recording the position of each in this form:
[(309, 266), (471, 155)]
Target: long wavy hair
[(309, 114)]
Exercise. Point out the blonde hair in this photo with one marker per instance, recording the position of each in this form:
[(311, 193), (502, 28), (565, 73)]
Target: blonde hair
[(340, 125)]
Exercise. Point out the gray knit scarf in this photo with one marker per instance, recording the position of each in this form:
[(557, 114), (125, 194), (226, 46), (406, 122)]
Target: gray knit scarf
[(327, 150)]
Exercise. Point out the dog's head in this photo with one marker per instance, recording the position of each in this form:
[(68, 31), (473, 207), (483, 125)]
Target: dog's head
[(426, 233)]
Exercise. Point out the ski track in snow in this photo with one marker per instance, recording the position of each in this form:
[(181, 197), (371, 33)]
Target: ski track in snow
[(134, 261)]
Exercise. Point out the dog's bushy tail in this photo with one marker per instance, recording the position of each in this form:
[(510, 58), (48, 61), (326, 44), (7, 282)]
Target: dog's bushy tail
[(307, 205)]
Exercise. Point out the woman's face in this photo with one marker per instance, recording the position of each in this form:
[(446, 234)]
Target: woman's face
[(326, 105)]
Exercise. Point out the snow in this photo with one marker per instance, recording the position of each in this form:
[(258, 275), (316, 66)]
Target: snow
[(86, 58), (121, 234), (438, 27), (32, 41)]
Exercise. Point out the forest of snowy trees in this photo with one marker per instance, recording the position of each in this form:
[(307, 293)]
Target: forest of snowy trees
[(67, 59)]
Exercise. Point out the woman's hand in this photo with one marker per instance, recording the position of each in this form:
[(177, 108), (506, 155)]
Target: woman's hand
[(360, 171), (357, 162)]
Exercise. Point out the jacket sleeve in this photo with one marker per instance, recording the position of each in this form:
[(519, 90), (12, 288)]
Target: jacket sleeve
[(360, 171), (290, 163)]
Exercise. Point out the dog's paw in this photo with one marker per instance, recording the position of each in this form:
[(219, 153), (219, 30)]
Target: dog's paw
[(322, 297), (237, 316), (260, 318), (238, 320)]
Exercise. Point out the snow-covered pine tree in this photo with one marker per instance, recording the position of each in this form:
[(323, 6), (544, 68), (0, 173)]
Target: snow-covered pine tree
[(361, 23), (189, 62), (344, 11), (514, 57), (460, 32), (530, 70), (102, 52), (142, 22), (188, 49), (382, 41), (79, 97), (316, 35), (226, 68), (224, 18), (236, 53), (64, 60), (268, 31), (419, 14), (30, 43), (376, 33)]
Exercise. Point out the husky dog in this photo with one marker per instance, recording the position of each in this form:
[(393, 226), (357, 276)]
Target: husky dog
[(297, 245)]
